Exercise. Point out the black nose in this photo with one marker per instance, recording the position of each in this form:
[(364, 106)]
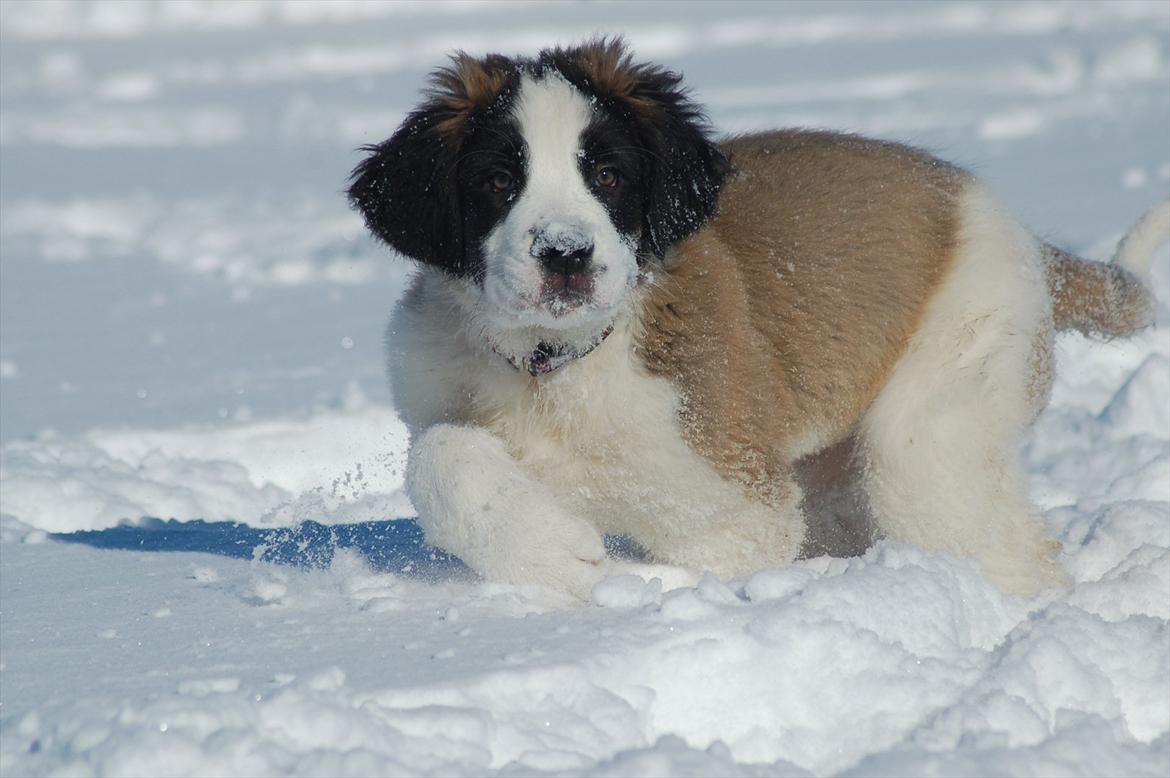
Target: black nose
[(563, 256), (567, 262)]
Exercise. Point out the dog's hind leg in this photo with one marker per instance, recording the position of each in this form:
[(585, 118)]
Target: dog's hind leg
[(941, 439)]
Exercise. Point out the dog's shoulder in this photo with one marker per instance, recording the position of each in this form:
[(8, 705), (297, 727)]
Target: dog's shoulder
[(774, 150), (781, 282)]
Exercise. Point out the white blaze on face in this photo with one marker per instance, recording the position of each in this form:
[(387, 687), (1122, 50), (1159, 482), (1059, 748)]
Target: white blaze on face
[(554, 207)]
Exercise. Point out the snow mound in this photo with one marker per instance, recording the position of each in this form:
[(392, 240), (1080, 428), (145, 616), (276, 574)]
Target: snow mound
[(342, 464), (914, 655)]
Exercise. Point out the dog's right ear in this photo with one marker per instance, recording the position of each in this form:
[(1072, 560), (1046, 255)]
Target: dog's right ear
[(406, 188), (404, 191)]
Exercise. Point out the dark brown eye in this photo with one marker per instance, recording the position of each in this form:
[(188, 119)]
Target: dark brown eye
[(501, 181), (606, 177)]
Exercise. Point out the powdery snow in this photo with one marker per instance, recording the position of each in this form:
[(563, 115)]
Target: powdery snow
[(341, 465), (190, 331)]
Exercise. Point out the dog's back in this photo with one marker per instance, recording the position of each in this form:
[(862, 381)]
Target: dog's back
[(813, 275), (790, 308), (852, 287)]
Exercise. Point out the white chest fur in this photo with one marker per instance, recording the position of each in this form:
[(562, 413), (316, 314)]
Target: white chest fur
[(601, 434)]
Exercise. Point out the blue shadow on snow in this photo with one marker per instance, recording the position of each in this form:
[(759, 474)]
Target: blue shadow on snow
[(393, 546)]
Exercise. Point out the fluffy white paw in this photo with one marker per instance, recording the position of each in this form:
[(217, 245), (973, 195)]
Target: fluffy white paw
[(474, 501), (552, 550), (1032, 568)]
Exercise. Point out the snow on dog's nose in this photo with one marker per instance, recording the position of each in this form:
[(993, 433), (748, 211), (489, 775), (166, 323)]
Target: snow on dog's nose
[(562, 249), (565, 253)]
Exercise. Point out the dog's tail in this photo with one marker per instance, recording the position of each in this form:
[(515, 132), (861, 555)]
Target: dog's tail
[(1108, 300)]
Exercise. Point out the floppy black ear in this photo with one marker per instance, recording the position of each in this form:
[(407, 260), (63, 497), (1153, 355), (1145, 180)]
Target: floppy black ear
[(687, 168), (405, 189)]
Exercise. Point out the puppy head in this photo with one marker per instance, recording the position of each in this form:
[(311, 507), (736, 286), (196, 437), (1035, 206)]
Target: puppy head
[(544, 184)]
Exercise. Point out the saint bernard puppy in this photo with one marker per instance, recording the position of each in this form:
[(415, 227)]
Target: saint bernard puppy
[(620, 325)]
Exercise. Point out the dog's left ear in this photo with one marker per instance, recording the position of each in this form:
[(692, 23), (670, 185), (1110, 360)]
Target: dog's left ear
[(687, 169)]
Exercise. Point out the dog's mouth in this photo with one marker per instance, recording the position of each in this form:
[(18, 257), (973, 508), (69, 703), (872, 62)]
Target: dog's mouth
[(563, 293)]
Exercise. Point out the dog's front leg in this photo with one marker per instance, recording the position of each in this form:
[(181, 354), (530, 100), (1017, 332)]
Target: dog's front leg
[(474, 501)]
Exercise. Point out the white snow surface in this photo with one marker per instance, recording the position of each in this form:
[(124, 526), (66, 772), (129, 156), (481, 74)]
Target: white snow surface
[(191, 329)]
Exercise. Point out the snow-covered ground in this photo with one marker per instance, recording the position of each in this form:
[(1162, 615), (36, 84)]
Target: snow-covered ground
[(190, 329)]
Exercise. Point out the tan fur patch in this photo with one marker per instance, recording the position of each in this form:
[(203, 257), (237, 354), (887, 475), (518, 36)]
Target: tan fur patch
[(612, 71), (1094, 298), (780, 320), (468, 84), (609, 66)]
